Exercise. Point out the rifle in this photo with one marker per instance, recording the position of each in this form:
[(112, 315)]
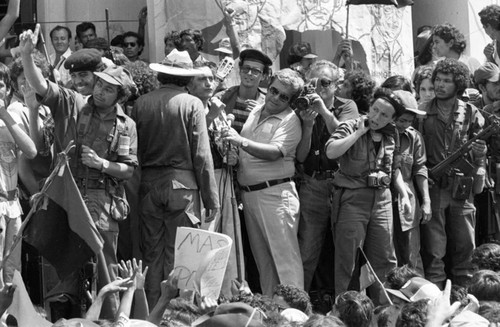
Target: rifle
[(458, 158)]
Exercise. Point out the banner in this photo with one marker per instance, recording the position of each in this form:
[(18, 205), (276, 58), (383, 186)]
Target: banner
[(200, 260)]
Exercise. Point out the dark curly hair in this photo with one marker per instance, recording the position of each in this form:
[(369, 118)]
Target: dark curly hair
[(397, 82), (421, 73), (295, 297), (354, 309), (362, 89), (413, 314), (449, 33), (490, 310), (485, 285), (317, 320), (460, 72), (487, 256), (196, 35), (425, 56), (490, 15), (16, 69), (398, 276)]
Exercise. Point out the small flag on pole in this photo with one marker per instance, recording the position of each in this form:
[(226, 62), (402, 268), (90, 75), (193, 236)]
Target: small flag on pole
[(363, 275)]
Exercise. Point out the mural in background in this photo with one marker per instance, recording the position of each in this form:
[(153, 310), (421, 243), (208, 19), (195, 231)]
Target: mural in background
[(384, 31)]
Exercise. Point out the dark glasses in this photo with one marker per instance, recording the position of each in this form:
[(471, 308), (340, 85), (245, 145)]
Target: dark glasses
[(129, 44), (251, 70), (282, 97), (325, 82)]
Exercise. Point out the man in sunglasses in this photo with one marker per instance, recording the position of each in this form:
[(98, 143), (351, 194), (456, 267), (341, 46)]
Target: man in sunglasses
[(241, 99), (324, 114), (267, 145), (133, 44)]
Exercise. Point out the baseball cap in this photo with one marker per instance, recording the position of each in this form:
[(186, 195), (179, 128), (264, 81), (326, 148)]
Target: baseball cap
[(417, 288), (116, 75), (487, 72), (409, 102)]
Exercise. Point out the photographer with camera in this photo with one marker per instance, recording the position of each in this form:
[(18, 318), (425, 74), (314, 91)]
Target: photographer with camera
[(321, 112), (362, 208)]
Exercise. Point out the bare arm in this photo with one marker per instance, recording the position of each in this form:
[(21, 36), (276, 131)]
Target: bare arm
[(22, 140), (33, 74), (423, 186), (143, 19), (231, 31), (168, 292), (260, 150), (10, 17)]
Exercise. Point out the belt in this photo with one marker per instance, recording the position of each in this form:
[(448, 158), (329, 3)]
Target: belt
[(266, 184), (90, 183), (321, 175)]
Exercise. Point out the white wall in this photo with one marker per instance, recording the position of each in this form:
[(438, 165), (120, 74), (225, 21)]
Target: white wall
[(122, 15)]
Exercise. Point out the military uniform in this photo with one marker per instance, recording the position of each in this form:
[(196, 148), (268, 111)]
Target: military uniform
[(77, 120), (316, 189), (451, 230), (363, 214)]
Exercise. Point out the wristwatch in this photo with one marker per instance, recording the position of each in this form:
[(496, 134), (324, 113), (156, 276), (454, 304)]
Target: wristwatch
[(244, 143), (105, 165)]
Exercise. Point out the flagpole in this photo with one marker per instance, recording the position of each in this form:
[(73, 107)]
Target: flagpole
[(37, 198), (347, 22), (376, 277)]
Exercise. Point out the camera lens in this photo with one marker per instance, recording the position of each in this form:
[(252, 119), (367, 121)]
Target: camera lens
[(302, 103)]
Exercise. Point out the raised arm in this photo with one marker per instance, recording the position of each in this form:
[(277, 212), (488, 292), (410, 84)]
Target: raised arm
[(231, 31), (21, 138), (10, 17), (337, 147), (28, 41)]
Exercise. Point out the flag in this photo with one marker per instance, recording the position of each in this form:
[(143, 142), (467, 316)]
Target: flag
[(64, 233), (397, 3), (363, 274)]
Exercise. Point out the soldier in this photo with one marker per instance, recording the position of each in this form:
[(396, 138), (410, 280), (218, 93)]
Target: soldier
[(106, 141), (449, 124)]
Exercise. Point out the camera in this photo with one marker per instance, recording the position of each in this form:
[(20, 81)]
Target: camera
[(303, 102), (378, 179)]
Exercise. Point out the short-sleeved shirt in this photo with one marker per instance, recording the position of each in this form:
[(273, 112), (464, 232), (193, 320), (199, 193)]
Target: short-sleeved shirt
[(316, 160), (66, 106), (413, 156), (361, 158), (438, 130), (282, 130)]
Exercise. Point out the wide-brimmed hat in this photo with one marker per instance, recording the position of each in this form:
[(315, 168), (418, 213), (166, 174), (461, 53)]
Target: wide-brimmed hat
[(225, 46), (416, 289), (409, 102), (489, 72), (177, 63)]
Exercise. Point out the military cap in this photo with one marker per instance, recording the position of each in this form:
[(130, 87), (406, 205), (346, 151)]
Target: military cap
[(83, 60)]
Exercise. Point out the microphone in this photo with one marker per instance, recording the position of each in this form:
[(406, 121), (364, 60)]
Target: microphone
[(230, 119)]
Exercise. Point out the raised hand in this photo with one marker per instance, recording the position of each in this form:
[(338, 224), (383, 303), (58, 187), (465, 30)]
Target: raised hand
[(28, 40)]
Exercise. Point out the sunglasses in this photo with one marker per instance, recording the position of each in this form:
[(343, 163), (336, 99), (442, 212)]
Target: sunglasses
[(129, 44), (282, 97), (251, 70), (325, 82)]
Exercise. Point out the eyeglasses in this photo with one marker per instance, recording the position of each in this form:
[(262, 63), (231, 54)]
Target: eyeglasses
[(282, 97), (251, 70), (325, 82), (129, 44)]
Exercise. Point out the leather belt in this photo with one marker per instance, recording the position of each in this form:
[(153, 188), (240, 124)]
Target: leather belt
[(90, 183), (266, 184), (322, 175)]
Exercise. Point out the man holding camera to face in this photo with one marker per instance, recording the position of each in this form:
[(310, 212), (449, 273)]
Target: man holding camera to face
[(321, 112)]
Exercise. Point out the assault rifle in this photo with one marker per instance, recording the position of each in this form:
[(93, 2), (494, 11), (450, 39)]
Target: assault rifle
[(458, 159)]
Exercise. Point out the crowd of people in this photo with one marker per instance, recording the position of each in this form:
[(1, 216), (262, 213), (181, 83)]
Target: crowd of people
[(309, 162)]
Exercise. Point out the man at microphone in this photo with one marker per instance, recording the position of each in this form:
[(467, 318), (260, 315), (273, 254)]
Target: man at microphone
[(267, 145)]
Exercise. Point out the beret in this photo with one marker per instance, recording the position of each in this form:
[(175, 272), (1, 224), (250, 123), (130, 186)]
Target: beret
[(83, 60)]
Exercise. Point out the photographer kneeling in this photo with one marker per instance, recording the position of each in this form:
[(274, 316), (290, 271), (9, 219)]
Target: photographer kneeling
[(365, 148)]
